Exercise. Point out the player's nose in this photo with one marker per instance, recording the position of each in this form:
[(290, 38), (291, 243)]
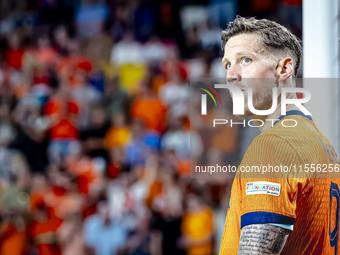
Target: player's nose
[(233, 75)]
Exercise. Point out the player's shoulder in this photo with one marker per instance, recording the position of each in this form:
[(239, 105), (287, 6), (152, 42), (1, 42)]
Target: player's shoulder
[(291, 129), (300, 138), (271, 147)]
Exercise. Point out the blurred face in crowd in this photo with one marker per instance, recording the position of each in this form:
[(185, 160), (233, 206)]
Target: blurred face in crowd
[(125, 180), (143, 89), (176, 123), (64, 90), (98, 117), (60, 180), (214, 156), (39, 182), (166, 175), (138, 126), (73, 47), (103, 209), (80, 77), (193, 203), (14, 41), (118, 120), (60, 35), (170, 158), (117, 155), (128, 37), (40, 70), (40, 214), (43, 42), (250, 64), (20, 224)]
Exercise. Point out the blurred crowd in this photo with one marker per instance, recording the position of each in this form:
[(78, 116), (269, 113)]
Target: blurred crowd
[(95, 134)]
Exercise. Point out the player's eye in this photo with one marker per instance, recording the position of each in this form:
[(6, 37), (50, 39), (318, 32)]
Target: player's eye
[(245, 60), (228, 66)]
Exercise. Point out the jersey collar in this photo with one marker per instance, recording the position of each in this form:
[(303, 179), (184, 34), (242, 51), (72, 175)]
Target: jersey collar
[(293, 112)]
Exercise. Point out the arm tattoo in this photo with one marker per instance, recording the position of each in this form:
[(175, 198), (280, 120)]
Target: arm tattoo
[(262, 239)]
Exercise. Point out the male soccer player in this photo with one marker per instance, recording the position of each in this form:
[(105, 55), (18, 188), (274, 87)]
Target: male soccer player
[(291, 213)]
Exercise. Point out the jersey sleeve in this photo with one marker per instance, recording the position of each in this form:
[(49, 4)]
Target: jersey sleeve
[(271, 196), (232, 230)]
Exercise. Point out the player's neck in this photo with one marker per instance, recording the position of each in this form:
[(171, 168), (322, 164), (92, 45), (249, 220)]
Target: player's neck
[(269, 120)]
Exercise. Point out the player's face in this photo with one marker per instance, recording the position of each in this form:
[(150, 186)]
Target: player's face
[(246, 60)]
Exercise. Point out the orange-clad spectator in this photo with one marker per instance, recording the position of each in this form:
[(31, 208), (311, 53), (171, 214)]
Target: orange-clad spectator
[(62, 198), (197, 227), (63, 113), (181, 145), (64, 134), (175, 95), (173, 153), (13, 239), (155, 190), (173, 67), (71, 236), (149, 108), (224, 137), (117, 162), (85, 96), (45, 53), (41, 82), (183, 168), (165, 199), (165, 195), (43, 232), (88, 173), (15, 53), (158, 82), (118, 135), (60, 37), (68, 66), (39, 189), (41, 76), (65, 128)]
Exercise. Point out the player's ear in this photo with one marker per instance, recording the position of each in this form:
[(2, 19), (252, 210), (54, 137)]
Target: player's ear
[(285, 68)]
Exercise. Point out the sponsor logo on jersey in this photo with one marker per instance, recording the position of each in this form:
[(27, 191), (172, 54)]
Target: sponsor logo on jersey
[(263, 188)]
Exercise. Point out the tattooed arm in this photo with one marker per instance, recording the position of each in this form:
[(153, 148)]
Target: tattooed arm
[(262, 239)]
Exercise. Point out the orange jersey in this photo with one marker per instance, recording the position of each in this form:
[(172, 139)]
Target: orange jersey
[(300, 199), (198, 226)]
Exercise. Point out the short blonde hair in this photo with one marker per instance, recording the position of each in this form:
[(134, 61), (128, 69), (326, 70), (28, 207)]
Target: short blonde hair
[(276, 38)]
